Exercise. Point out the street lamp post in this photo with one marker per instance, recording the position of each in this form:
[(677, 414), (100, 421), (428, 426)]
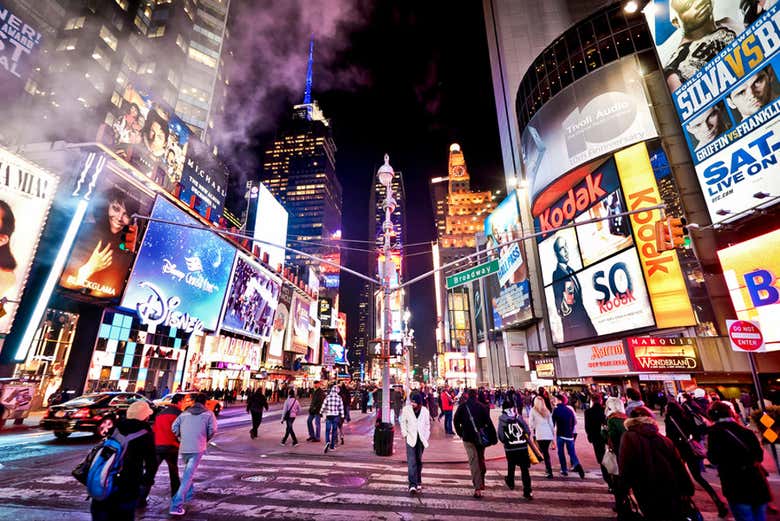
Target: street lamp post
[(385, 175)]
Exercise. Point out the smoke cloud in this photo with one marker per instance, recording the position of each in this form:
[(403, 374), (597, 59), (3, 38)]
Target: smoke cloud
[(269, 43)]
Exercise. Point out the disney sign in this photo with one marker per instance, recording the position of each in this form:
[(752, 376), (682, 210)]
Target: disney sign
[(158, 310)]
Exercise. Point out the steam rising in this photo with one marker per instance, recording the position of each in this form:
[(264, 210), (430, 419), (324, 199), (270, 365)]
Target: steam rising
[(267, 70)]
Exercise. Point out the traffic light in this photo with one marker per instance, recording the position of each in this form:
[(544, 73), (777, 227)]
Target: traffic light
[(677, 231), (128, 238), (663, 236)]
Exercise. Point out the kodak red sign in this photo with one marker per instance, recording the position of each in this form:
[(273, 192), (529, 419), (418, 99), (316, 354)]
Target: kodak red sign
[(664, 277)]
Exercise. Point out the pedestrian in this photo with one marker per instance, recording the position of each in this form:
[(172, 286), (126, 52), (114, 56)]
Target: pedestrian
[(255, 404), (615, 412), (471, 420), (396, 402), (415, 424), (595, 420), (315, 408), (370, 403), (565, 422), (447, 404), (737, 453), (651, 467), (136, 477), (194, 427), (680, 429), (363, 400), (166, 444), (634, 400), (541, 423), (514, 433), (333, 411), (290, 411), (346, 398)]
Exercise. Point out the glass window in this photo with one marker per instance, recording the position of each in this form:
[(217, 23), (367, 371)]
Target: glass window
[(572, 43), (592, 58), (641, 38), (123, 4), (587, 36), (555, 83), (75, 23), (565, 74), (108, 37), (623, 43), (607, 50), (578, 69), (601, 25), (202, 58), (559, 47), (617, 20), (68, 44)]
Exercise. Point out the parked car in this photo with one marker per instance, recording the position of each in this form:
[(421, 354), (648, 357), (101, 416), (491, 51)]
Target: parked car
[(212, 404), (95, 412)]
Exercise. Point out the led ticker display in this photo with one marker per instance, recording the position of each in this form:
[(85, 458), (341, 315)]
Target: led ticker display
[(252, 300), (179, 270)]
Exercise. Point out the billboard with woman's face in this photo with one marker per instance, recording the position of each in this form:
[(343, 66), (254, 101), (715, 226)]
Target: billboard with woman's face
[(97, 267), (26, 194)]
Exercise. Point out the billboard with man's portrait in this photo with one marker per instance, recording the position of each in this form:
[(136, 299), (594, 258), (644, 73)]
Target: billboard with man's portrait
[(720, 60), (26, 195)]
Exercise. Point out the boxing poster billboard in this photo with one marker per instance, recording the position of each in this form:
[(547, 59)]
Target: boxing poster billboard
[(604, 111), (720, 61)]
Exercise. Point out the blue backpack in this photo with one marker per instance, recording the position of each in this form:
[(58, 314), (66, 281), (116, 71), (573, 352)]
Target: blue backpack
[(106, 464)]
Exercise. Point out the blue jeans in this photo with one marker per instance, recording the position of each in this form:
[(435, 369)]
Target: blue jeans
[(572, 453), (745, 512), (313, 423), (187, 488), (331, 431), (414, 461), (448, 422)]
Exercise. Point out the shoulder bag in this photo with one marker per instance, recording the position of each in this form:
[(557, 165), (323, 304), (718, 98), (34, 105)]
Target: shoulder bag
[(610, 462), (483, 438), (696, 447)]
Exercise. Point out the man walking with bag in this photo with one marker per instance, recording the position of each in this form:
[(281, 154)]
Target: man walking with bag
[(415, 424), (476, 429), (194, 427), (255, 404), (315, 408)]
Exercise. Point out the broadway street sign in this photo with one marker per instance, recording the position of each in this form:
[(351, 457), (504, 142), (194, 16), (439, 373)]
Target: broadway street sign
[(477, 272)]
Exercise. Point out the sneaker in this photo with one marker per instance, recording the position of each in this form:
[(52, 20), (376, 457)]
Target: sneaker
[(508, 483), (309, 439), (412, 491), (282, 443), (295, 443), (563, 472), (549, 475), (528, 495), (419, 488), (333, 447), (579, 470), (326, 449), (177, 511), (342, 440), (478, 493)]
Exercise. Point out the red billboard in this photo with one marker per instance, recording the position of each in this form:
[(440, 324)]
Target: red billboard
[(662, 355)]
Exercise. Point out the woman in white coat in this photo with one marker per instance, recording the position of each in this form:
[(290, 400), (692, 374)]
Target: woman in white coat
[(416, 430), (541, 424)]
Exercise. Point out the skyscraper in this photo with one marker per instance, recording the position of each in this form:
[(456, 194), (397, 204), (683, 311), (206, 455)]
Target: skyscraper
[(174, 50), (299, 169)]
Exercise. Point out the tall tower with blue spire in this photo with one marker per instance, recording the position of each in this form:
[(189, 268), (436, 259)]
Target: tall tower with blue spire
[(309, 109)]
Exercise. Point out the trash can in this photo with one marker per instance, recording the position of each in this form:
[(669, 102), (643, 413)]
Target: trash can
[(383, 439)]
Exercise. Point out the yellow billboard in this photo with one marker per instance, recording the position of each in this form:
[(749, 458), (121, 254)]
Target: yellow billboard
[(751, 270), (663, 274)]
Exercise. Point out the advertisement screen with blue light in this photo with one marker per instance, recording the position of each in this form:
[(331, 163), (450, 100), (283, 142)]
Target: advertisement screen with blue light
[(339, 353), (180, 275)]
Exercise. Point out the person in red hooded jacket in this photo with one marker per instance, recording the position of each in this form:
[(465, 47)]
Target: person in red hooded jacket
[(166, 443)]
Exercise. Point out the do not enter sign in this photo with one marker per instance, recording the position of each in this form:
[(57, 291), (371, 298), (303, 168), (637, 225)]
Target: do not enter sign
[(745, 336)]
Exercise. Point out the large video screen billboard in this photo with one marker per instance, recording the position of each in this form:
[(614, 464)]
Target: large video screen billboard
[(96, 266), (18, 51), (180, 274), (604, 111), (270, 224), (721, 60), (150, 137), (513, 302), (252, 300), (592, 274), (752, 272), (26, 194), (299, 323), (279, 334)]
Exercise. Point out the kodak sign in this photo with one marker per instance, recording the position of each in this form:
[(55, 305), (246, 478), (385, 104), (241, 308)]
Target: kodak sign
[(663, 274)]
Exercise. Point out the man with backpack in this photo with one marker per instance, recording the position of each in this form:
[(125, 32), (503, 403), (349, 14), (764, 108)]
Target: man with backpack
[(513, 432), (130, 448), (194, 427)]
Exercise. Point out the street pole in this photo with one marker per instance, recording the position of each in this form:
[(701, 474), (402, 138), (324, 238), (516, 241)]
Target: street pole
[(386, 175)]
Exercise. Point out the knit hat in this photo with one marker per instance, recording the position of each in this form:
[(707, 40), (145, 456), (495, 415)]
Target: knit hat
[(614, 405), (417, 398), (139, 410)]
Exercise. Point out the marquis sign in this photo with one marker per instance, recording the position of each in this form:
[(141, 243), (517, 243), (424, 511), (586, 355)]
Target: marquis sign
[(662, 355)]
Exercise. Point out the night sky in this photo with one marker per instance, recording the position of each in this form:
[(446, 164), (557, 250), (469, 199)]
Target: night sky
[(407, 80)]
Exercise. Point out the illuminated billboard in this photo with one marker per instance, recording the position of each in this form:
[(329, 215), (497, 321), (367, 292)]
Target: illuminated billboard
[(181, 274), (270, 224), (607, 359), (299, 324), (26, 194), (752, 273), (149, 136), (603, 111), (96, 266), (18, 45), (662, 355), (252, 300), (721, 65), (513, 302), (279, 334)]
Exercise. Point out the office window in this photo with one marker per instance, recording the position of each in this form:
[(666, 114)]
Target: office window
[(75, 23), (108, 37)]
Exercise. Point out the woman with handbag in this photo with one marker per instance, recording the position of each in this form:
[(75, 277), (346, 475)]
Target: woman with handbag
[(680, 429), (290, 411), (737, 453), (541, 424)]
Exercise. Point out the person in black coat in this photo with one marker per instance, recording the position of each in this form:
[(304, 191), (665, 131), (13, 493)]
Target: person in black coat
[(138, 463), (595, 420), (679, 429), (738, 455), (470, 417), (255, 404)]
